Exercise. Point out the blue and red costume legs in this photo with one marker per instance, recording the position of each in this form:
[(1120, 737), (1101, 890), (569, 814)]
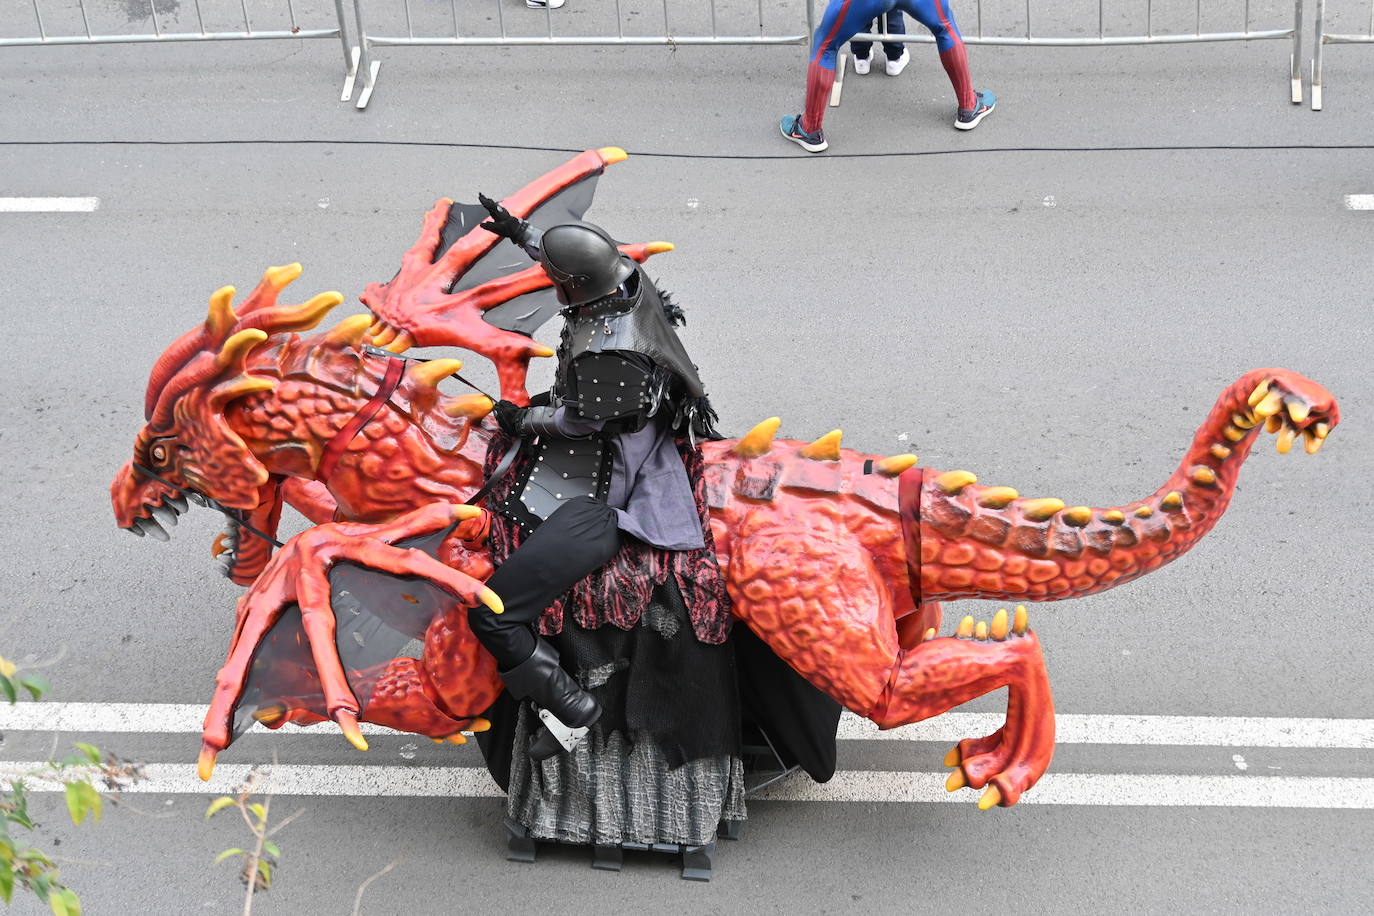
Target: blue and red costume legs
[(844, 19)]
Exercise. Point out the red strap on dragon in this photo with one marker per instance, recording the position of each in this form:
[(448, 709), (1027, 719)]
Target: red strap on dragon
[(334, 450)]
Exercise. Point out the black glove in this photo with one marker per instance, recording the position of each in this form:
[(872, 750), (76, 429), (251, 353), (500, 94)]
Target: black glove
[(508, 417), (503, 223)]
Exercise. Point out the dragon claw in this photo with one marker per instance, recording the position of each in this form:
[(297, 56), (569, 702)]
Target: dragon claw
[(205, 764), (992, 797), (492, 601), (956, 781), (953, 758), (348, 724)]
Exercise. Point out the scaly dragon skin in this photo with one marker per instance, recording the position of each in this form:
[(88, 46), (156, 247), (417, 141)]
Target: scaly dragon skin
[(838, 560)]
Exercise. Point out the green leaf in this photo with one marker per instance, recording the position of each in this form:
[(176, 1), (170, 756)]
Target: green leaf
[(259, 811), (35, 685), (271, 849), (229, 852), (7, 688), (6, 882), (58, 905), (218, 805), (83, 800), (73, 902), (91, 752), (266, 874)]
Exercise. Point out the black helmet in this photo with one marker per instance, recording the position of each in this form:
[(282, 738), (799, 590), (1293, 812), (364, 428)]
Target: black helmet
[(583, 262)]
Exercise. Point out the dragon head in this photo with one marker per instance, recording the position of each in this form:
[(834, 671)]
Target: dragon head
[(187, 440)]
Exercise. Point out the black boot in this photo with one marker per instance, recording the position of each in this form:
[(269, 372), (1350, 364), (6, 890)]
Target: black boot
[(540, 678)]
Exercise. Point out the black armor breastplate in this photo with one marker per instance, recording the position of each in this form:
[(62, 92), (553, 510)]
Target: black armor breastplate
[(561, 469)]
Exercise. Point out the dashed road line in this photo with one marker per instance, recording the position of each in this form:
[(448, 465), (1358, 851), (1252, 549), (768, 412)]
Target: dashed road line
[(1359, 201), (49, 204)]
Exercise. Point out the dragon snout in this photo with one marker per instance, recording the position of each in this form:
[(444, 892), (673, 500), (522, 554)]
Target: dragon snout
[(145, 507)]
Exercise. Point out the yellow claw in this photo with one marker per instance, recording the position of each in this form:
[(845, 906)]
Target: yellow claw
[(458, 738), (1273, 424), (991, 798), (896, 465), (376, 327), (205, 763), (492, 601), (659, 247), (479, 725), (999, 625), (929, 634), (1258, 394), (385, 336), (541, 351), (463, 511), (348, 724), (1038, 510), (826, 448), (1272, 403), (1298, 412), (612, 154), (1021, 621), (429, 374), (1311, 443), (404, 342), (1286, 437), (1322, 430), (956, 781), (472, 406), (759, 440), (953, 758), (953, 482), (270, 715), (1244, 421), (997, 497), (965, 627)]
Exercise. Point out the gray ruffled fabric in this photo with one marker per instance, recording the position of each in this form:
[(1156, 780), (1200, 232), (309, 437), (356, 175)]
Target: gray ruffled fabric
[(608, 791)]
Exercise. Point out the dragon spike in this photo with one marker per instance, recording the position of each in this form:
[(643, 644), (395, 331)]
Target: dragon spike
[(999, 625), (952, 482), (471, 406), (235, 349), (1078, 516), (997, 497), (349, 333), (1114, 517), (980, 632), (540, 351), (759, 440), (659, 247), (929, 635), (429, 374), (240, 387), (613, 154), (280, 277), (826, 448), (221, 317), (1021, 621), (1039, 510), (896, 465), (965, 627), (1172, 501)]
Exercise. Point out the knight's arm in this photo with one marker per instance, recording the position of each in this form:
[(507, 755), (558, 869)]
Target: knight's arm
[(559, 422), (506, 225)]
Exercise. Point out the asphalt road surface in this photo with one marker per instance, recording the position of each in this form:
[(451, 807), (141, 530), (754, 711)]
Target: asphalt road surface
[(1052, 301)]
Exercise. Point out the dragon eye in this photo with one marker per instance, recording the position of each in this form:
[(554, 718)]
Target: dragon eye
[(158, 453)]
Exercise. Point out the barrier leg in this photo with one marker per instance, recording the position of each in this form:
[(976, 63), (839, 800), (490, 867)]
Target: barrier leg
[(1317, 49), (1294, 60), (350, 59), (363, 58)]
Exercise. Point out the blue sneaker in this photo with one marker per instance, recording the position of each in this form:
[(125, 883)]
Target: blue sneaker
[(812, 142), (968, 120)]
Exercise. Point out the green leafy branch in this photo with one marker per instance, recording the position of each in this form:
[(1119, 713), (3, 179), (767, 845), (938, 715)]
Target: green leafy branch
[(27, 866), (258, 865)]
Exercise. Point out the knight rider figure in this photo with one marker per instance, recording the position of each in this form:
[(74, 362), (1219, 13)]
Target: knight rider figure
[(605, 461)]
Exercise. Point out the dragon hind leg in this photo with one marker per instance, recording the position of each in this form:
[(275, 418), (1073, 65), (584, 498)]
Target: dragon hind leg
[(939, 674)]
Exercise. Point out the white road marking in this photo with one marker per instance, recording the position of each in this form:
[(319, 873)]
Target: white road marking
[(1359, 201), (48, 204), (1168, 791), (1190, 731)]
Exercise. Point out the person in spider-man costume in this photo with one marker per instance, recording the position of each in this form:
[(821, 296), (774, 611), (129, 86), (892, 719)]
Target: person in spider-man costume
[(843, 20)]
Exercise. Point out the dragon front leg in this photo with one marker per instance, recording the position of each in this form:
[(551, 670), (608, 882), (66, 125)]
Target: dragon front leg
[(298, 575)]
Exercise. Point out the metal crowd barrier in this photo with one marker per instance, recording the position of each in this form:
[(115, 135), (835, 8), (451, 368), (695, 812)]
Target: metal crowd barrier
[(684, 22), (229, 20), (455, 28), (1322, 39), (1150, 36)]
